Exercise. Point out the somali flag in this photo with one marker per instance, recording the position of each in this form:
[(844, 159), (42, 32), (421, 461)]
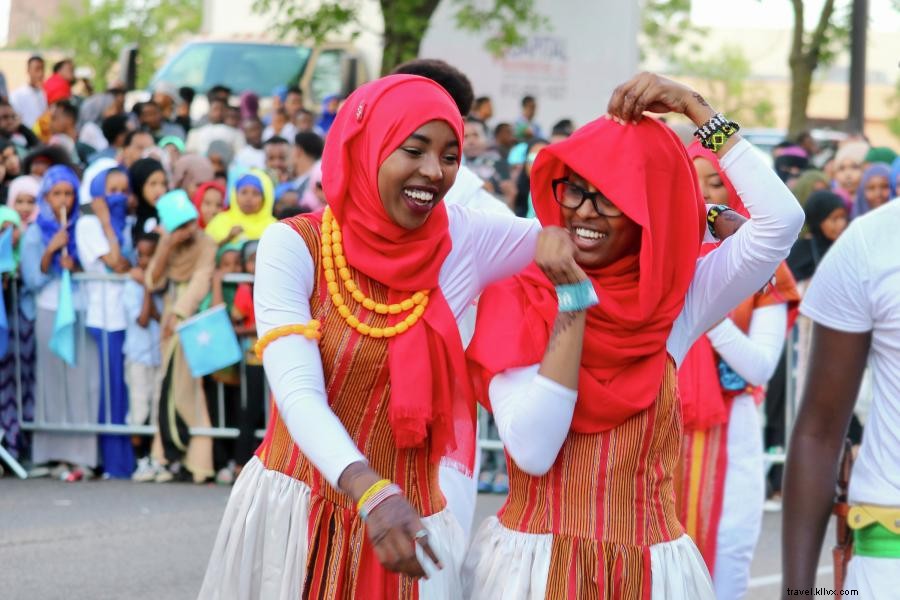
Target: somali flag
[(62, 342), (7, 258), (209, 342)]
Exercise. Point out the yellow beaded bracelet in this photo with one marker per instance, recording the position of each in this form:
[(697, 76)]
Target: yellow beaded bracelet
[(310, 331), (373, 489)]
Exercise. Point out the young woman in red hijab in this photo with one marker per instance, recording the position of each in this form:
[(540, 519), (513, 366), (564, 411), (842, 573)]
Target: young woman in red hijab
[(720, 484), (585, 400), (342, 499)]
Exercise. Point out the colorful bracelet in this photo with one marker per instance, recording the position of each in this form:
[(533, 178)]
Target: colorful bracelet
[(367, 504), (310, 331), (712, 214), (373, 489), (715, 133), (575, 297)]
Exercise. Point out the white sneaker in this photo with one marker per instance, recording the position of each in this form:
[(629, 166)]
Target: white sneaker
[(147, 470)]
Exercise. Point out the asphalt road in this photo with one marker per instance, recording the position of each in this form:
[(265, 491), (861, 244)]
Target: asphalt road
[(113, 540)]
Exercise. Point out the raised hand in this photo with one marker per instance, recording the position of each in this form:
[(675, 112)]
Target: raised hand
[(555, 255)]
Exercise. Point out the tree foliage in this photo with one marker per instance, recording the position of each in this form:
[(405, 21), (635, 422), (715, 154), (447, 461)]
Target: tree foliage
[(666, 28), (95, 32), (507, 22)]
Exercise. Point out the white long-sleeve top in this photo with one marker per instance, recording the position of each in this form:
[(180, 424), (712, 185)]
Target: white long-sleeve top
[(486, 247), (753, 355), (533, 414)]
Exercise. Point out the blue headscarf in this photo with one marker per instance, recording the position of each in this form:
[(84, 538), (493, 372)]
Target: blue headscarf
[(250, 180), (46, 219), (117, 203), (861, 206), (327, 118), (895, 173)]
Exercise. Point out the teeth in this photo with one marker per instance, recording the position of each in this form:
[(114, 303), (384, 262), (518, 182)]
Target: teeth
[(589, 234), (421, 196)]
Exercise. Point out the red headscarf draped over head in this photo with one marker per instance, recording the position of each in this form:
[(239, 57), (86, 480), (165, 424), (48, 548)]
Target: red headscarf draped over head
[(198, 198), (427, 363), (645, 171), (695, 150)]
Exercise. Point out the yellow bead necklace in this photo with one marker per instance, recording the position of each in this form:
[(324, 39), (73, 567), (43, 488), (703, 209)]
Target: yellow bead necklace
[(333, 258)]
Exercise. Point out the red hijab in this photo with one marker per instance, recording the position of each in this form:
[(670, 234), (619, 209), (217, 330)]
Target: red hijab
[(198, 198), (645, 171), (429, 384)]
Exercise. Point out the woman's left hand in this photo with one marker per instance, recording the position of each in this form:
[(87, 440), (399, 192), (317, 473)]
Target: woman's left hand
[(654, 93), (168, 325)]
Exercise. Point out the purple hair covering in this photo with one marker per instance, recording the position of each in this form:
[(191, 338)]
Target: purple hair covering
[(861, 206), (46, 219), (249, 106)]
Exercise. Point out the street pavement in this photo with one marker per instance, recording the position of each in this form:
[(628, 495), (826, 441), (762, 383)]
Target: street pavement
[(112, 540)]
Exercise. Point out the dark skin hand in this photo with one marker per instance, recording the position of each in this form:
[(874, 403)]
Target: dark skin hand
[(812, 459), (391, 526)]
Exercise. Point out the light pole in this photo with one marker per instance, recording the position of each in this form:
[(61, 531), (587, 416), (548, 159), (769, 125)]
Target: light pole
[(860, 23)]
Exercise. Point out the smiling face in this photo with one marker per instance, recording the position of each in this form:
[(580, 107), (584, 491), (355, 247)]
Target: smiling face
[(711, 184), (414, 178), (877, 191), (600, 240)]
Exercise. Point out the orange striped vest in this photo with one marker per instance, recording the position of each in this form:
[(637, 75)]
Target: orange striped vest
[(608, 497), (341, 560)]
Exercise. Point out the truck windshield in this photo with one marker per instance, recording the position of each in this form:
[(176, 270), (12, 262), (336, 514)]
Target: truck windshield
[(242, 67)]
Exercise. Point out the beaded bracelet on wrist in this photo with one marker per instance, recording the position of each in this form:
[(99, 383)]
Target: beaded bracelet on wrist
[(712, 214), (375, 499), (716, 132)]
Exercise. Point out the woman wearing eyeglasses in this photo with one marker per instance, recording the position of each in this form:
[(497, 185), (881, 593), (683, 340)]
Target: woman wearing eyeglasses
[(584, 392)]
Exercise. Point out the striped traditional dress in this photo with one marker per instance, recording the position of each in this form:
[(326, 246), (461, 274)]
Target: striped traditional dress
[(325, 552), (601, 524)]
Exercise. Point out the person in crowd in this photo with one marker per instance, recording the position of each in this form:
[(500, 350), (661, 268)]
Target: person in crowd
[(56, 89), (64, 393), (115, 131), (305, 122), (278, 164), (526, 128), (209, 199), (233, 116), (720, 483), (190, 171), (504, 139), (313, 197), (879, 155), (29, 101), (308, 148), (806, 141), (587, 389), (222, 293), (91, 114), (384, 183), (65, 69), (252, 156), (173, 147), (281, 126), (136, 142), (790, 161), (293, 104), (249, 210), (148, 184), (151, 119), (10, 167), (106, 182), (39, 160), (166, 97), (522, 203), (875, 189), (286, 197), (221, 155), (330, 105), (64, 122), (249, 105), (183, 267), (13, 130), (215, 129), (848, 168), (143, 374), (479, 158), (561, 130), (852, 302), (22, 197), (183, 108), (826, 219), (482, 109), (808, 182)]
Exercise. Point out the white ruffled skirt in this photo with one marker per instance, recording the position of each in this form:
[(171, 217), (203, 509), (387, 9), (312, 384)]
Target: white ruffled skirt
[(503, 564), (261, 548)]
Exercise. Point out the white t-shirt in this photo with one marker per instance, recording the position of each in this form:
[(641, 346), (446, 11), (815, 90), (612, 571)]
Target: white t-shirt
[(30, 103), (857, 289), (104, 298)]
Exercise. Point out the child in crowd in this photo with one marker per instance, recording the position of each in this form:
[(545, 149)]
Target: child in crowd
[(22, 197), (249, 211), (209, 200), (183, 266), (143, 374), (100, 253)]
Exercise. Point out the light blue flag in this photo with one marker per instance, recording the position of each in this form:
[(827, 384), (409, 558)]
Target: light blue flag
[(7, 259), (209, 342), (62, 342)]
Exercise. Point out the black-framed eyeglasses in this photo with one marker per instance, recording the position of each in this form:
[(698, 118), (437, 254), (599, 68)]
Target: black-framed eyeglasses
[(572, 196)]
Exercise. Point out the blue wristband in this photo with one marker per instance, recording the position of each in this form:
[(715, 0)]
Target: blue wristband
[(574, 297)]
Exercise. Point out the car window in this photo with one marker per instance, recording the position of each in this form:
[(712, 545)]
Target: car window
[(326, 77)]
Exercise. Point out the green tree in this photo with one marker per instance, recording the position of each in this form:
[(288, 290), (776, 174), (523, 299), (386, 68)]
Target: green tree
[(95, 32), (666, 28), (405, 22), (893, 122)]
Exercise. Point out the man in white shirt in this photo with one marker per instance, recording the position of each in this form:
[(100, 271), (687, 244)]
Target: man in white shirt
[(854, 302), (29, 100)]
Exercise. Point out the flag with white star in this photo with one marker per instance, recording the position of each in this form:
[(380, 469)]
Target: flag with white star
[(209, 342)]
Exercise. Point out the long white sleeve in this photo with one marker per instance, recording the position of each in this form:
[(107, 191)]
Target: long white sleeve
[(755, 355), (533, 416), (746, 260), (293, 365)]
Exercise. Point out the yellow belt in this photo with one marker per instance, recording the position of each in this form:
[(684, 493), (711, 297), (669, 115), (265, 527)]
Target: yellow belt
[(863, 515)]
